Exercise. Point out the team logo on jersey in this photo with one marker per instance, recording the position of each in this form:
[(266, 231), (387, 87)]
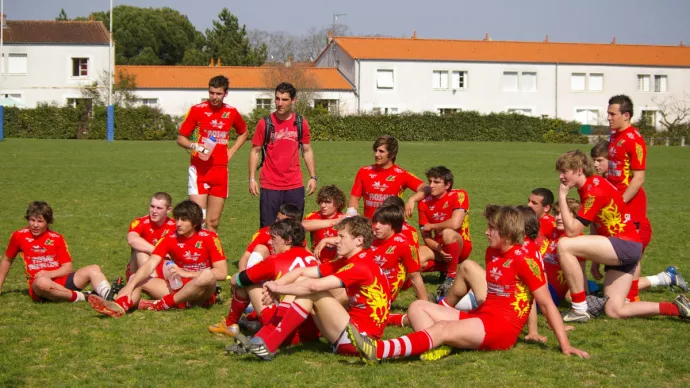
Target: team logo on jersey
[(639, 152), (198, 245), (379, 186), (134, 224), (377, 300), (372, 176), (225, 115), (49, 242), (390, 250), (496, 273), (589, 202), (507, 263), (445, 205), (534, 267), (217, 124), (391, 178), (522, 302)]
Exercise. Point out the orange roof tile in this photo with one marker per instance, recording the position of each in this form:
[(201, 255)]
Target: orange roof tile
[(518, 52), (197, 77)]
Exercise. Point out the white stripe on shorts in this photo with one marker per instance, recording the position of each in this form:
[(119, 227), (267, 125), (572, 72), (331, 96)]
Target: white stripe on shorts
[(192, 186)]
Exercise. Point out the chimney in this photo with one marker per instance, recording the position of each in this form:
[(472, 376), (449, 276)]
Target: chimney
[(614, 40), (91, 17), (414, 36), (218, 62), (547, 39), (288, 63), (211, 63), (330, 36)]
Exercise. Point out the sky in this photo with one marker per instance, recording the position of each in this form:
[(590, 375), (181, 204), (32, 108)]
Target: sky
[(662, 22)]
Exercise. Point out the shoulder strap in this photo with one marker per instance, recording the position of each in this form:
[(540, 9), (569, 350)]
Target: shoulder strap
[(299, 125), (268, 131)]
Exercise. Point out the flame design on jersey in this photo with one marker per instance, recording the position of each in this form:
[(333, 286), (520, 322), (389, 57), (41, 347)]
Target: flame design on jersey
[(589, 202), (399, 280), (523, 300), (544, 246), (465, 228), (611, 218), (415, 236), (216, 242), (255, 235), (345, 268), (461, 197), (377, 300), (626, 172), (534, 267), (639, 152), (134, 224), (561, 277), (414, 253)]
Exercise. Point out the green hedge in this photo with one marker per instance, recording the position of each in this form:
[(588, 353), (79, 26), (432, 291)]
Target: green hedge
[(144, 123)]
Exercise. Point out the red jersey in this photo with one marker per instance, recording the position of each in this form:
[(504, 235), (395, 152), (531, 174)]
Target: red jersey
[(436, 210), (150, 231), (281, 169), (376, 184), (367, 289), (46, 252), (327, 253), (511, 278), (547, 227), (205, 121), (552, 266), (411, 235), (628, 152), (604, 205), (262, 237), (275, 266), (192, 254), (397, 258)]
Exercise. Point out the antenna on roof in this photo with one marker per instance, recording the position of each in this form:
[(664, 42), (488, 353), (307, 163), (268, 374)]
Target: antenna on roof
[(614, 40), (414, 35), (547, 39)]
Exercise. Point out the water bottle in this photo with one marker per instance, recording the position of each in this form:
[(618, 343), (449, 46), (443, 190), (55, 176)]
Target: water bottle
[(175, 280), (209, 145)]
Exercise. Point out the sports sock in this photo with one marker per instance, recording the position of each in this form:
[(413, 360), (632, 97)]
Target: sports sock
[(77, 297), (396, 319), (579, 302), (467, 303), (292, 319), (266, 329), (429, 266), (251, 316), (668, 309), (660, 279), (443, 302), (103, 288), (634, 291), (125, 302), (267, 314), (168, 302), (453, 250), (237, 307), (407, 345)]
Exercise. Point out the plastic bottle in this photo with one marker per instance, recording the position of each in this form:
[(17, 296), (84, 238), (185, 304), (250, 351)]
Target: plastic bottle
[(209, 145), (175, 280)]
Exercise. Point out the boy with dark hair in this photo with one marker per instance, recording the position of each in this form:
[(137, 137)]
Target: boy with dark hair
[(331, 201), (541, 200)]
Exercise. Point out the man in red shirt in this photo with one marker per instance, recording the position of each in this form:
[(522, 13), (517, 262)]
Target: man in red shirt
[(616, 245), (445, 224), (48, 264), (331, 201), (541, 200), (514, 280), (366, 286), (145, 232), (208, 179), (383, 179), (281, 175), (198, 259)]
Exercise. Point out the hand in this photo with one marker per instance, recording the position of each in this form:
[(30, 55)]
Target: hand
[(311, 186), (269, 296), (253, 187), (445, 256), (563, 189), (569, 327), (198, 148), (351, 212), (40, 274), (535, 337), (337, 220), (409, 208), (319, 247), (596, 273), (571, 350), (175, 270)]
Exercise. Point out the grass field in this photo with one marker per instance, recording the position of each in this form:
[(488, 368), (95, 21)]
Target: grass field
[(97, 188)]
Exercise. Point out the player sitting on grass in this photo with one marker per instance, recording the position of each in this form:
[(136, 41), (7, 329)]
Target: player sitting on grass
[(331, 201), (541, 201), (513, 280), (287, 238), (366, 287), (47, 261), (617, 244), (198, 260)]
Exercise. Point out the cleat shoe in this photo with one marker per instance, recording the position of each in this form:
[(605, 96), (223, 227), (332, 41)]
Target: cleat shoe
[(219, 300), (442, 277), (106, 307), (432, 298), (250, 326), (595, 305), (236, 348), (146, 304), (257, 346), (115, 287), (222, 328), (436, 354), (364, 345), (683, 305), (676, 279), (443, 289), (574, 316)]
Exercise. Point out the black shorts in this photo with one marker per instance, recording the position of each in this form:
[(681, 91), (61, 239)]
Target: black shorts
[(69, 283), (629, 254)]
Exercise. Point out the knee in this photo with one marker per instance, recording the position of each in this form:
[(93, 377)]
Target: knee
[(466, 267), (212, 221), (42, 285), (93, 268), (612, 311), (205, 278), (416, 307), (448, 236)]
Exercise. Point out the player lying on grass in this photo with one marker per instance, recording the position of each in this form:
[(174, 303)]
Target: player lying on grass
[(198, 260), (513, 280), (617, 244), (331, 201), (47, 262), (318, 292), (287, 238)]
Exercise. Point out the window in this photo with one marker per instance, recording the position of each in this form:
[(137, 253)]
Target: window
[(384, 79), (660, 83), (459, 80), (152, 102), (577, 82), (80, 67), (439, 79), (330, 105), (587, 116), (643, 83), (649, 117), (385, 111), (596, 82), (521, 111), (85, 103), (528, 81), (448, 111), (510, 81), (264, 103), (17, 64)]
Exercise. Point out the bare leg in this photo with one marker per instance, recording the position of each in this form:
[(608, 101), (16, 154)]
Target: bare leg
[(473, 277), (616, 287), (199, 290), (91, 274), (213, 212), (48, 289)]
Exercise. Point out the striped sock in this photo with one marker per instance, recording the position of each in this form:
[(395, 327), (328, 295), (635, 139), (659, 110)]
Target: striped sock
[(294, 317), (407, 345)]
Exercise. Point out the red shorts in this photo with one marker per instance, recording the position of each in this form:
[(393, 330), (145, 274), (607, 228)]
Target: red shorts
[(213, 181), (496, 336), (59, 280), (464, 252), (644, 229)]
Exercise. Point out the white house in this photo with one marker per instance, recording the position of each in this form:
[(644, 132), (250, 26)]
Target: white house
[(572, 81), (46, 61)]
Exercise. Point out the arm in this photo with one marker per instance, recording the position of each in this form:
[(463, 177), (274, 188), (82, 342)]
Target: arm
[(312, 225), (635, 184), (5, 265), (311, 167), (422, 192), (219, 270), (238, 143), (253, 164), (138, 243), (242, 263), (550, 310), (306, 286), (183, 142), (292, 276), (533, 327), (454, 222), (142, 273), (573, 226), (65, 269), (418, 285), (353, 203)]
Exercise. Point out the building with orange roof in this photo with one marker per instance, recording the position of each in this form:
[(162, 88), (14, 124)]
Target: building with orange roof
[(572, 81)]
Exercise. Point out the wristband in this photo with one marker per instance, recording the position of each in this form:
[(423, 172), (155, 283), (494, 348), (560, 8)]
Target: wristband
[(314, 178)]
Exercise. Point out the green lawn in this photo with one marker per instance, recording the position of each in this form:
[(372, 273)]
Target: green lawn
[(97, 188)]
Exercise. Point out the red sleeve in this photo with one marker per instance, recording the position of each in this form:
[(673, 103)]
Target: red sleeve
[(313, 216), (12, 247), (410, 257), (189, 123), (358, 185), (530, 272), (258, 138), (412, 182), (326, 269), (306, 133), (239, 124), (136, 226), (591, 203), (462, 200), (262, 271), (216, 251), (637, 154), (163, 247), (259, 238), (354, 274), (421, 211), (63, 256)]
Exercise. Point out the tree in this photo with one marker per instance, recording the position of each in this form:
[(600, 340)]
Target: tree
[(195, 57), (229, 42), (307, 86), (674, 111), (62, 16), (124, 89)]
